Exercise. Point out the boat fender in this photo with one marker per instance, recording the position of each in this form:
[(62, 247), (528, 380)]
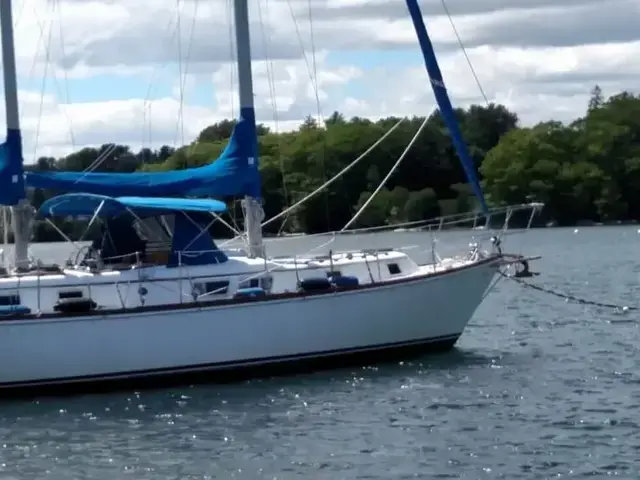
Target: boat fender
[(254, 292), (345, 281), (75, 305), (314, 284)]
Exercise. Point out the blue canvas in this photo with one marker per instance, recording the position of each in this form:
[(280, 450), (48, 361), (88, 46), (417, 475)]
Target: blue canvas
[(440, 92), (234, 173), (11, 169), (86, 204)]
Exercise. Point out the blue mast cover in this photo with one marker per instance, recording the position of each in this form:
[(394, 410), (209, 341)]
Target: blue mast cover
[(440, 92), (11, 169), (234, 173)]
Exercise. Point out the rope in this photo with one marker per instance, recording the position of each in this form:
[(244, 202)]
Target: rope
[(568, 297), (385, 179), (335, 177)]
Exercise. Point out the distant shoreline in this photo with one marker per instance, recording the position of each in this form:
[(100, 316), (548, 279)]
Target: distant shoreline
[(581, 224)]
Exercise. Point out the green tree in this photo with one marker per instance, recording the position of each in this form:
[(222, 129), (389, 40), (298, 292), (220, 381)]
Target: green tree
[(588, 169), (421, 205), (596, 99)]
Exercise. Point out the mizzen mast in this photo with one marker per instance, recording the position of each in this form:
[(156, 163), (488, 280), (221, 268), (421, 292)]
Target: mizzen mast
[(13, 193), (253, 213)]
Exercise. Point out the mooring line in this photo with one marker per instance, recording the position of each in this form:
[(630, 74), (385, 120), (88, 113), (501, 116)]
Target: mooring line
[(566, 296)]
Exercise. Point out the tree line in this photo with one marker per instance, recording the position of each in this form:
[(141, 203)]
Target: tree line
[(587, 170)]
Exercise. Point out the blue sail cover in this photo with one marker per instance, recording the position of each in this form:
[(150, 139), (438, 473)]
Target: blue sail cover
[(440, 92), (234, 173), (11, 169), (88, 204)]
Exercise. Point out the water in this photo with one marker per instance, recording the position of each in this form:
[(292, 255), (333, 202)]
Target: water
[(536, 388)]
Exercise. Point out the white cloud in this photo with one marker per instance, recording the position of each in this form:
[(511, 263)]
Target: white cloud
[(539, 60)]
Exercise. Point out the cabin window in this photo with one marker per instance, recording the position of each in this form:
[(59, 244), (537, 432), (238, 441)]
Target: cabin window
[(6, 300), (263, 282), (334, 273), (211, 288), (394, 269), (70, 294), (253, 283)]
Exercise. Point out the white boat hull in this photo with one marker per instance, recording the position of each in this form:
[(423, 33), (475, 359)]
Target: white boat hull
[(414, 313)]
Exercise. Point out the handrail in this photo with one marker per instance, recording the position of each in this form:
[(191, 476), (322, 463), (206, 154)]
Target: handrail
[(442, 221), (430, 225)]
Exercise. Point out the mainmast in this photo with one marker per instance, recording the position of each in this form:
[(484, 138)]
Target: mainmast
[(22, 212), (253, 213)]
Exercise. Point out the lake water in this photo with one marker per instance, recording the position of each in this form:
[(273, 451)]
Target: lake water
[(537, 388)]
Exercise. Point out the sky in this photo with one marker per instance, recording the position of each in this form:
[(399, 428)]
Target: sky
[(151, 73)]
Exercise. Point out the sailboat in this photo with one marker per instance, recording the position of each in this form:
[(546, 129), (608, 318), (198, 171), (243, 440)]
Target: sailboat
[(156, 299)]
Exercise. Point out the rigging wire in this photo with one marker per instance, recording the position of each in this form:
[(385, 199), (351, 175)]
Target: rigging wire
[(47, 51), (386, 178), (274, 103), (19, 13), (102, 157), (304, 54), (469, 62), (337, 176), (232, 54), (313, 77), (43, 87), (319, 109), (66, 96), (35, 55), (314, 64), (269, 64), (464, 51), (326, 184), (184, 73), (147, 102), (180, 122)]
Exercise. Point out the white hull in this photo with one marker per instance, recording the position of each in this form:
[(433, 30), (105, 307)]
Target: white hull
[(55, 350)]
